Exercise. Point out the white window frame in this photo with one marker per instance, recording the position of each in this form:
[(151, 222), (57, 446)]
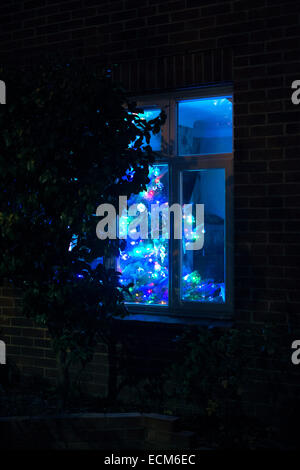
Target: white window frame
[(177, 308)]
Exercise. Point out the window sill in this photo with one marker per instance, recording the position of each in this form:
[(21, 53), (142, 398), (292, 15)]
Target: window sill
[(208, 321)]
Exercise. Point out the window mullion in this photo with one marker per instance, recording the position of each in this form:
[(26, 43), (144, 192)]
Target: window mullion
[(175, 245), (175, 196)]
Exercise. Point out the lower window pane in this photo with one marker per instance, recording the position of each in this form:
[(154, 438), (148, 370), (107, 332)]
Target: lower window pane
[(145, 262), (203, 271)]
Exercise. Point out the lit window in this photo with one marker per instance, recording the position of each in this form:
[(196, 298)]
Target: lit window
[(193, 168)]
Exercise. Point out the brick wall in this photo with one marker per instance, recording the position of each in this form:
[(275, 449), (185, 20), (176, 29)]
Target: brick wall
[(159, 45)]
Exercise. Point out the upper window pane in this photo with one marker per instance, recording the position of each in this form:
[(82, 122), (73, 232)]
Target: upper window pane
[(205, 126), (155, 140)]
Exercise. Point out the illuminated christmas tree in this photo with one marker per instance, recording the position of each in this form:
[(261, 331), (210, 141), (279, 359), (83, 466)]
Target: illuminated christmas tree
[(145, 262)]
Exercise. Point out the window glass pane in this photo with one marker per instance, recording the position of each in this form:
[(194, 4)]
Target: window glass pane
[(145, 263), (205, 126), (203, 273), (155, 140)]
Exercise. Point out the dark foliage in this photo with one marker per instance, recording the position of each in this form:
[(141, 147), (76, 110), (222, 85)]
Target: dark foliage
[(65, 135)]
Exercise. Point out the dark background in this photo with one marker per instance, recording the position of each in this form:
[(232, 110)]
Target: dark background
[(159, 45)]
